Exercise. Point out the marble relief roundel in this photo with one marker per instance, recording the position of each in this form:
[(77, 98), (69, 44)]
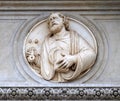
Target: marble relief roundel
[(60, 48)]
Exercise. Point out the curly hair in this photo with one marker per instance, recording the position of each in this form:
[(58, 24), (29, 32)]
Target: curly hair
[(65, 20)]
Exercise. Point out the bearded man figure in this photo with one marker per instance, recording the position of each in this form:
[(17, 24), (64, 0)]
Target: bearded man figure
[(65, 55)]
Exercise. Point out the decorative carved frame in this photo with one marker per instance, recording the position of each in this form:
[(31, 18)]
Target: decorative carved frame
[(108, 92), (60, 93)]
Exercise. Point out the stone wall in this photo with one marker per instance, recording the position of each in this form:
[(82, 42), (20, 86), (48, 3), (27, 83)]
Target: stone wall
[(16, 79)]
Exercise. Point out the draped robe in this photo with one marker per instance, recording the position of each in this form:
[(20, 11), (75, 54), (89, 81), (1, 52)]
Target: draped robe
[(72, 44)]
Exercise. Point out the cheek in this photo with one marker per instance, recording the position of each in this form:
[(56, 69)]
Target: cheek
[(61, 25)]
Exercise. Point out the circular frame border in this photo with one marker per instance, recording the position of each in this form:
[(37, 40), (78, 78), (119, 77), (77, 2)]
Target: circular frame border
[(100, 63)]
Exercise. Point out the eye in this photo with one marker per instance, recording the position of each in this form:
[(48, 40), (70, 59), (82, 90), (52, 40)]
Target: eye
[(56, 17), (50, 19)]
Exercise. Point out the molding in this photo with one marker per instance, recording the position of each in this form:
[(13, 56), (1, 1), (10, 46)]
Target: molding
[(64, 5), (54, 93)]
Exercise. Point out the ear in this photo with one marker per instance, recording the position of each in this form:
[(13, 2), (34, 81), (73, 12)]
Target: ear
[(48, 22)]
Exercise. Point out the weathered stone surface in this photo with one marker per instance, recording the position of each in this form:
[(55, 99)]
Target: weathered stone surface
[(101, 17)]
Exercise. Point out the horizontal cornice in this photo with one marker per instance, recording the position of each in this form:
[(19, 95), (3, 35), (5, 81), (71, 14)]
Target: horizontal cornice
[(69, 5)]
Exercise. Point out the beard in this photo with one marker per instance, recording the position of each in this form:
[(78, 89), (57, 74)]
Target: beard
[(56, 29)]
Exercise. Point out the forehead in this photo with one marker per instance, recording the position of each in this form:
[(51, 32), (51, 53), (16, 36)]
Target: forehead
[(54, 15)]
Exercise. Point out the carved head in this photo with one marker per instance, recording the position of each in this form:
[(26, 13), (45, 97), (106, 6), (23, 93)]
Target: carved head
[(32, 50), (57, 21)]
